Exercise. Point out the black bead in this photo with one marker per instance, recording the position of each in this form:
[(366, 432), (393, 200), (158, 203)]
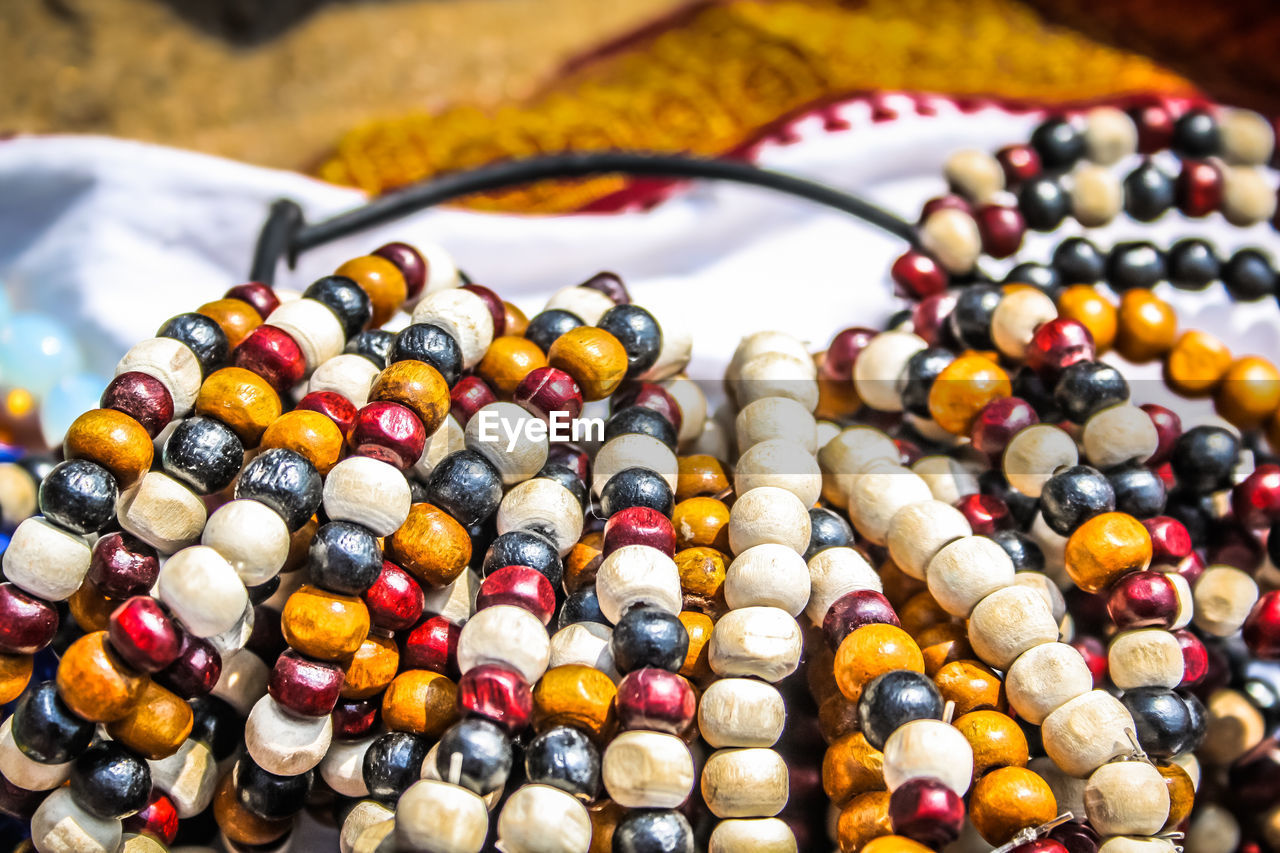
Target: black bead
[(344, 558), (1078, 261), (1023, 508), (1149, 192), (916, 380), (1249, 276), (45, 729), (827, 529), (1040, 276), (263, 591), (346, 299), (636, 487), (1021, 548), (38, 465), (1203, 459), (1160, 720), (204, 454), (564, 758), (417, 491), (202, 336), (1058, 143), (79, 496), (640, 420), (217, 725), (479, 752), (465, 485), (1139, 491), (1044, 203), (581, 606), (899, 319), (1087, 387), (285, 481), (570, 480), (970, 320), (267, 795), (1199, 719), (432, 344), (653, 831), (110, 782), (646, 636), (1196, 135), (546, 327), (1073, 496), (373, 344), (894, 699), (639, 334), (1193, 264), (1030, 386), (522, 548), (1194, 515), (1133, 265), (392, 763)]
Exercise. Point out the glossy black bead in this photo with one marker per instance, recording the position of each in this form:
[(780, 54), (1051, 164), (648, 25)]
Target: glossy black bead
[(546, 327), (285, 481), (1249, 276), (465, 485), (1196, 135), (1192, 264), (638, 332), (1044, 203), (263, 591), (916, 380), (1135, 264), (79, 496), (564, 758), (203, 453), (1149, 192), (898, 320), (523, 548), (1072, 496), (202, 336), (392, 763), (970, 320), (1021, 548), (1030, 386), (640, 420), (346, 299), (373, 344), (894, 699), (1194, 513), (344, 558), (432, 344), (1204, 458), (110, 782), (1139, 490), (267, 795), (1087, 387), (827, 529), (1078, 261), (1040, 276), (646, 636), (581, 606), (1058, 143), (1160, 720), (1023, 508), (478, 751), (217, 725), (45, 729), (653, 831), (1199, 719), (636, 487), (569, 479)]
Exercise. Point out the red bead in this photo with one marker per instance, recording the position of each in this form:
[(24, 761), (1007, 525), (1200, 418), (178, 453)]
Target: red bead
[(307, 687), (1143, 599), (926, 810), (123, 565), (496, 693), (389, 432), (432, 645), (143, 634), (158, 818), (1195, 657), (395, 600), (648, 395), (1262, 627), (1042, 845), (639, 525), (1095, 657), (1155, 127), (1170, 541), (909, 452), (986, 513), (1002, 229), (1021, 163), (332, 405), (656, 699), (1233, 545), (571, 457), (1198, 188), (844, 350), (273, 354), (354, 718), (468, 396), (493, 302), (929, 317), (1168, 428), (1058, 344), (27, 624), (196, 669), (951, 201), (546, 390), (519, 586), (998, 422), (1256, 500), (853, 610), (262, 298), (1191, 567), (142, 397), (410, 263), (1071, 837), (610, 285), (916, 275)]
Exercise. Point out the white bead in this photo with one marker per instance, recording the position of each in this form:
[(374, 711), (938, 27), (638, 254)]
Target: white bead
[(1248, 196), (1016, 318), (776, 417), (587, 644), (442, 271), (61, 826), (348, 375), (1054, 547), (368, 492), (234, 638), (637, 574), (852, 451), (928, 748), (1189, 763), (877, 496), (455, 601), (24, 772), (1235, 725), (313, 326), (693, 407), (543, 819), (448, 438), (585, 303), (243, 680), (1067, 790), (764, 343), (776, 374), (173, 363), (1213, 830), (1008, 622), (1096, 195), (465, 316), (633, 450), (17, 493), (782, 463), (1223, 598), (250, 536), (189, 777), (1044, 678), (363, 815), (1186, 600), (376, 838), (1034, 454), (285, 744), (948, 480), (1119, 434), (507, 635), (833, 572), (132, 842), (748, 782), (1047, 589), (162, 512), (1247, 137), (761, 641), (974, 174), (202, 591), (951, 236), (512, 438), (1126, 798), (1130, 844), (546, 506), (768, 514), (343, 767), (966, 571), (741, 712), (768, 575), (437, 817), (918, 531), (46, 561), (1087, 732), (1149, 657), (647, 770), (673, 355), (876, 371), (1109, 135), (752, 835)]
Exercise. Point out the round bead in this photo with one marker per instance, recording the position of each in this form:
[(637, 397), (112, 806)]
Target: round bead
[(892, 700), (648, 637), (283, 744), (202, 335), (1109, 135), (1249, 392), (967, 570), (143, 398), (170, 361), (1223, 598), (203, 454), (440, 818), (78, 496), (637, 574), (781, 463), (638, 332), (1105, 547), (1009, 800), (369, 493), (1034, 454), (833, 573), (94, 683), (926, 810), (27, 624), (595, 359), (1086, 732), (919, 531), (748, 782), (251, 537), (237, 315), (430, 545), (1119, 434), (871, 651), (46, 561), (655, 699), (431, 344), (202, 591), (110, 783), (927, 748), (1008, 622), (768, 575), (1044, 678), (143, 634), (520, 586), (974, 174), (546, 391), (113, 440), (240, 399), (881, 362), (475, 754), (647, 770), (507, 635), (653, 832), (286, 482), (421, 702), (61, 825), (324, 625), (273, 354), (305, 687), (533, 807), (513, 440), (952, 237), (1248, 196), (633, 451), (756, 641), (1126, 798)]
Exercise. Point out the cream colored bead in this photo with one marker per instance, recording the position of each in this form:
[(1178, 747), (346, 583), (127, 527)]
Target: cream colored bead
[(761, 641), (1131, 844), (782, 463), (876, 371), (1034, 454), (285, 744), (776, 374), (1096, 195), (966, 571), (752, 835), (951, 236), (647, 770), (637, 574), (59, 825), (368, 492), (466, 317), (243, 680), (585, 643), (17, 493), (1126, 798), (693, 407), (507, 635), (1119, 434), (714, 441), (673, 356), (1234, 725), (1007, 623), (947, 479), (1067, 790), (768, 575), (851, 451), (377, 838), (33, 775), (448, 438), (928, 748), (1109, 135), (511, 437), (437, 817), (363, 815), (918, 531), (877, 495), (768, 514), (763, 343), (202, 590), (46, 561), (543, 819), (455, 601), (974, 174), (741, 712), (132, 842), (546, 505), (1224, 595), (1054, 546), (1189, 763), (1149, 657), (189, 777), (316, 329), (1213, 830), (173, 363), (349, 375), (773, 418), (1248, 196), (1016, 318), (749, 782), (1247, 137), (1087, 732), (343, 767), (1186, 600), (442, 271), (162, 512), (587, 303), (633, 450), (833, 572), (250, 536), (1047, 589)]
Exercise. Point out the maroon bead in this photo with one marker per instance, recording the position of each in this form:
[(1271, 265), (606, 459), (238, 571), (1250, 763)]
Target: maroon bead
[(432, 645), (496, 693), (519, 586), (395, 600), (142, 397), (639, 525), (143, 634), (266, 640), (1058, 344), (1262, 627), (926, 810), (572, 457), (354, 718), (1170, 541), (262, 298), (986, 514), (1043, 845), (410, 263), (853, 610), (306, 687), (332, 405), (1002, 229), (1155, 127), (951, 201), (389, 432), (656, 699), (1254, 781), (1074, 836), (1191, 567), (468, 396), (545, 390), (196, 669), (493, 302), (1095, 657), (648, 395), (844, 350), (158, 818), (998, 422), (909, 452), (123, 565), (1233, 545), (1020, 163), (929, 317), (1199, 188), (916, 275), (1195, 657), (27, 624), (1256, 500), (273, 354), (1168, 428), (610, 284), (18, 802), (1143, 599)]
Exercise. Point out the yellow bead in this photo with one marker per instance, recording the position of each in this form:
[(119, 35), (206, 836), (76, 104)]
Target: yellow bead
[(963, 388)]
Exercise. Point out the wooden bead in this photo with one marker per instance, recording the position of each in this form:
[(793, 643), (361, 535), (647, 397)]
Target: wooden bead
[(1224, 595), (313, 326), (243, 680), (894, 844), (637, 574), (507, 635), (863, 819), (948, 480), (323, 625), (963, 388), (585, 302), (852, 451), (170, 361), (970, 685), (508, 360), (699, 475), (1126, 798), (593, 357), (1249, 392), (974, 174), (928, 748), (456, 601), (363, 815), (648, 770), (1147, 327), (238, 824), (761, 641), (1196, 364), (749, 782), (1105, 547), (1097, 196), (283, 743), (575, 695), (350, 376), (943, 644), (382, 281), (871, 651), (1119, 434), (235, 317), (343, 770), (1044, 678), (1017, 316), (1247, 137), (420, 701), (701, 522), (1007, 623), (15, 674), (545, 505), (771, 418), (768, 575), (741, 712), (25, 772), (586, 644), (60, 825), (951, 236), (1150, 657), (203, 591), (418, 386), (157, 724), (633, 450), (311, 434), (91, 608), (764, 343), (1247, 196), (1110, 135), (368, 492), (1009, 800), (242, 400), (95, 683), (879, 494), (113, 440), (1233, 727), (781, 463), (697, 663), (1082, 303), (881, 362), (430, 545), (372, 669), (526, 815), (851, 767), (1033, 455), (966, 571), (777, 374), (996, 740), (251, 537), (833, 573), (45, 560), (759, 835), (1213, 830), (768, 515), (439, 817), (513, 439), (162, 512), (1087, 732), (188, 777)]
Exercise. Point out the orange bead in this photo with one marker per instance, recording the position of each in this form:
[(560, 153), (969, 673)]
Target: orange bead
[(300, 546), (593, 357), (583, 561), (996, 739), (702, 572), (372, 669), (698, 626), (852, 766), (700, 475), (920, 612), (158, 724), (973, 686), (605, 817), (864, 818), (575, 695), (963, 388), (898, 585), (1249, 393), (1182, 793), (1083, 303), (382, 281), (311, 434), (516, 321), (837, 399), (242, 400), (837, 717), (1196, 364), (508, 360), (324, 625), (420, 701), (431, 545), (95, 683), (235, 317), (895, 844), (91, 608), (240, 825), (1106, 547), (820, 672), (1008, 800), (873, 650), (15, 674), (418, 386), (1147, 327), (113, 440), (943, 643), (701, 521)]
